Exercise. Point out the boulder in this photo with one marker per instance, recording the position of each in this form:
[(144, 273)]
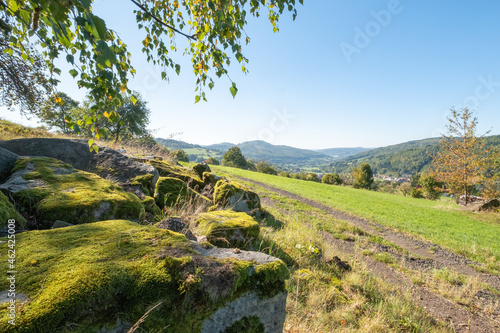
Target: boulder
[(170, 169), (201, 168), (7, 161), (108, 163), (227, 228), (173, 191), (150, 206), (100, 277), (176, 224), (483, 205), (210, 178), (50, 190), (235, 196)]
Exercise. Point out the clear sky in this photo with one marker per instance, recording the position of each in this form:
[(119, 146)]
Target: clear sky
[(343, 74)]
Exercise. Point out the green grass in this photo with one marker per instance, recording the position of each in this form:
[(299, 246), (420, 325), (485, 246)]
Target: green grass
[(439, 221)]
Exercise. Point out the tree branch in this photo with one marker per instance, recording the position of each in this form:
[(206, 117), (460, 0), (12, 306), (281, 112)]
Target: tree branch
[(191, 37)]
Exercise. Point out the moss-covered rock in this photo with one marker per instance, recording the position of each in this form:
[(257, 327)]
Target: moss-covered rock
[(49, 190), (173, 191), (235, 196), (150, 206), (169, 169), (201, 168), (146, 183), (227, 228), (95, 274), (210, 178), (8, 212)]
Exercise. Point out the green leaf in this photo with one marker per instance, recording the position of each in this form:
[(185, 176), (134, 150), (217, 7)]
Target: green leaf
[(233, 90), (70, 58), (100, 26), (91, 142), (73, 73), (196, 99)]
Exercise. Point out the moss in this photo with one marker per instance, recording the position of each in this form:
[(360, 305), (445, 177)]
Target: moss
[(150, 206), (94, 273), (145, 182), (249, 324), (271, 278), (167, 169), (227, 193), (227, 228), (173, 191), (7, 212), (73, 196)]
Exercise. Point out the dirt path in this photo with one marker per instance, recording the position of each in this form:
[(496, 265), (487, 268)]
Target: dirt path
[(458, 317)]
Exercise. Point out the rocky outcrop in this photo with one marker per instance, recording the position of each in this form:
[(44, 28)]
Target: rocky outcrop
[(201, 168), (7, 160), (227, 228), (171, 191), (110, 273), (169, 169), (108, 163), (235, 196), (51, 190)]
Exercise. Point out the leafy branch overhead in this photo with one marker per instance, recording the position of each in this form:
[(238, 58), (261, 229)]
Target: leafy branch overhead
[(101, 62)]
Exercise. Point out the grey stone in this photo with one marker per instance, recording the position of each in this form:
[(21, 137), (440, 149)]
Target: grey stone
[(4, 297), (270, 311), (7, 161), (61, 224), (223, 253), (17, 183)]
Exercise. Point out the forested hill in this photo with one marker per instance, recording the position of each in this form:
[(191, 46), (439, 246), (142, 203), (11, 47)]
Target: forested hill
[(397, 160), (284, 156), (176, 144), (340, 153)]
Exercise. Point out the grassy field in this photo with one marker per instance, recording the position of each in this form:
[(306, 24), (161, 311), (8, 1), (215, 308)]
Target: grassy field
[(474, 235)]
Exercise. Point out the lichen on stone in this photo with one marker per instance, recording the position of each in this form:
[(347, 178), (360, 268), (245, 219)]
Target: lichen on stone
[(168, 169), (227, 228)]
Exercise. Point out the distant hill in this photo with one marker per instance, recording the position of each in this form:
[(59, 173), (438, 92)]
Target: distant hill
[(176, 144), (224, 146), (397, 160), (341, 153)]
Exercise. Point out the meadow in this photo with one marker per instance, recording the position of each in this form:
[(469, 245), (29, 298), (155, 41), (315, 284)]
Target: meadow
[(475, 235)]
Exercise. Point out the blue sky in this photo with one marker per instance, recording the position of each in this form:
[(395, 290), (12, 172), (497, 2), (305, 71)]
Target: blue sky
[(343, 74)]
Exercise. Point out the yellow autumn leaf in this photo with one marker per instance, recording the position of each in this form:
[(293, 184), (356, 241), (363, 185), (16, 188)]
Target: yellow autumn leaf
[(106, 114), (123, 89)]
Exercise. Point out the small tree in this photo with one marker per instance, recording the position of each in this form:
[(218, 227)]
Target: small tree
[(363, 176), (463, 159), (430, 187), (180, 155), (312, 177), (234, 158), (54, 111)]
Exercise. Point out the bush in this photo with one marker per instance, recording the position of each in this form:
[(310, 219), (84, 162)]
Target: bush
[(181, 156), (363, 176), (416, 193), (264, 167), (212, 161), (312, 177), (333, 179)]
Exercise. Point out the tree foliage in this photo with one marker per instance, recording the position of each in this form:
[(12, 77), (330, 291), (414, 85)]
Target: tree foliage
[(363, 176), (180, 155), (264, 167), (23, 82), (463, 160), (234, 158), (101, 61), (55, 110), (333, 179), (430, 187)]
